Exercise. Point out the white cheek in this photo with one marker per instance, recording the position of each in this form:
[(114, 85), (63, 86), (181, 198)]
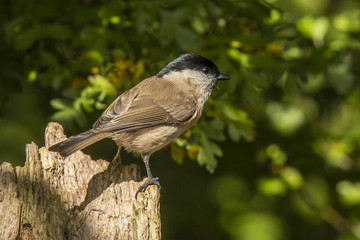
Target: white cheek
[(205, 86), (198, 79), (203, 83)]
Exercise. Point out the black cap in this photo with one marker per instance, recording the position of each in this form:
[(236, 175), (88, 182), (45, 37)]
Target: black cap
[(192, 61)]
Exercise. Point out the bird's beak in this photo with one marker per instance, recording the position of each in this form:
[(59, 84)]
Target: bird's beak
[(222, 77)]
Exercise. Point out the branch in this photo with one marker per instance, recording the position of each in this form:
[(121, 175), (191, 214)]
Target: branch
[(74, 198)]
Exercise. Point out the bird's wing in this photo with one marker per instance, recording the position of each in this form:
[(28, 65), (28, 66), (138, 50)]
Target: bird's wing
[(139, 108)]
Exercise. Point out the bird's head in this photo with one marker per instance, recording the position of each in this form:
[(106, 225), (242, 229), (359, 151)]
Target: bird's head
[(200, 70)]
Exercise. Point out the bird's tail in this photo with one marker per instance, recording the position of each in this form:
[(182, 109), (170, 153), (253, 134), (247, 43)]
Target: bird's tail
[(77, 142)]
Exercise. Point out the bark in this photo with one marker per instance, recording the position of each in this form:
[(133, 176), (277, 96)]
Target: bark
[(74, 198)]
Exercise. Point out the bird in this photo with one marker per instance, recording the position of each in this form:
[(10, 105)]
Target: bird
[(154, 112)]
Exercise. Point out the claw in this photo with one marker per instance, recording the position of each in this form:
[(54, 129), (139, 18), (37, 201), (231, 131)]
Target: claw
[(149, 181)]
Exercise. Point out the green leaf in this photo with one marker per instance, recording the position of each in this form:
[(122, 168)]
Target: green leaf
[(84, 103), (215, 149), (199, 25), (314, 28), (271, 186), (255, 225), (206, 157), (177, 153), (236, 118), (349, 192), (100, 105), (292, 177), (32, 76), (102, 85), (277, 156), (285, 119), (59, 104), (234, 133), (64, 115)]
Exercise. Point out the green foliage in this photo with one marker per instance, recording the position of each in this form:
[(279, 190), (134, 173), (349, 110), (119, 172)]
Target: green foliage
[(91, 98), (282, 137)]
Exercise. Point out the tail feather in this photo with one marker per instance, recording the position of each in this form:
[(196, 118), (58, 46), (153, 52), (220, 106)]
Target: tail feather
[(77, 142)]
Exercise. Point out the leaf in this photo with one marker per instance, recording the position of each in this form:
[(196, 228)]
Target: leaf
[(292, 177), (59, 104), (101, 84), (65, 115), (349, 192), (177, 153), (84, 103), (214, 130), (215, 149), (234, 133), (100, 105), (199, 25), (314, 28), (277, 156), (285, 119), (236, 118), (271, 186), (205, 157), (207, 153), (217, 124), (193, 151)]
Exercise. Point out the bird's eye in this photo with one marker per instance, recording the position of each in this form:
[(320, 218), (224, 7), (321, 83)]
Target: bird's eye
[(206, 70)]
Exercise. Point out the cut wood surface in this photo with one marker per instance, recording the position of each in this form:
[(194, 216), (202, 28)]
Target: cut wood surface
[(52, 197)]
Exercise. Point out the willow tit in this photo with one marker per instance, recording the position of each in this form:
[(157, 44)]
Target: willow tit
[(150, 115)]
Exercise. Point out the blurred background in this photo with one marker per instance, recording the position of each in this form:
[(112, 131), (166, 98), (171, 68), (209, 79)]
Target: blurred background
[(276, 154)]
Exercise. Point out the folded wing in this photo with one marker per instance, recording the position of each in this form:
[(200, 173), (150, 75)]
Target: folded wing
[(140, 108)]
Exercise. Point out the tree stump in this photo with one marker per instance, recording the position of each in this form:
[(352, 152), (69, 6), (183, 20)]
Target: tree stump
[(52, 197)]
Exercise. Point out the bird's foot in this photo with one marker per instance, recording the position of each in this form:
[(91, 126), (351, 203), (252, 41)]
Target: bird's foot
[(149, 181)]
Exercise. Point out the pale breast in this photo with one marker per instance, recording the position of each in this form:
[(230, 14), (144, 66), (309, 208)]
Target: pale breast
[(147, 140)]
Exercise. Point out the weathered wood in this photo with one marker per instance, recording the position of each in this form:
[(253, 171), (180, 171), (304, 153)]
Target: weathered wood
[(74, 198)]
